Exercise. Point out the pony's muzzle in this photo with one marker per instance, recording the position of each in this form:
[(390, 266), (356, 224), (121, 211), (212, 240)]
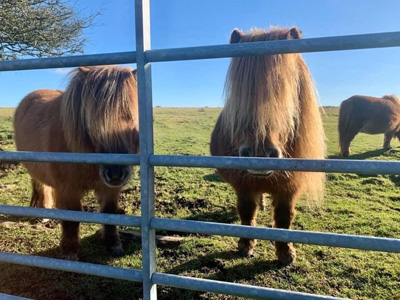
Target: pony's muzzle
[(270, 152), (115, 175)]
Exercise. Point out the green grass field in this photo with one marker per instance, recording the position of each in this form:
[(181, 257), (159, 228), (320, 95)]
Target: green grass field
[(354, 204)]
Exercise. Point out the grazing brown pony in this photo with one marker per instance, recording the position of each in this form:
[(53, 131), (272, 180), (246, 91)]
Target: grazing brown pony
[(368, 115), (98, 112), (270, 111)]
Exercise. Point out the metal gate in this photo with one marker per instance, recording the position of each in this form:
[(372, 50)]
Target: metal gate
[(143, 57)]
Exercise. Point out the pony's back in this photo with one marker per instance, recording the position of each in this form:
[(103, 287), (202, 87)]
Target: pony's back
[(32, 118)]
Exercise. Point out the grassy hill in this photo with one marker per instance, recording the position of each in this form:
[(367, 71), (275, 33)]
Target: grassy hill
[(354, 204)]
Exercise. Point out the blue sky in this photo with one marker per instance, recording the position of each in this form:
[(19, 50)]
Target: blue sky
[(185, 23)]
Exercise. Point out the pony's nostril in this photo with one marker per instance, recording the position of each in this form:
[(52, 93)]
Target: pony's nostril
[(246, 152), (273, 152), (125, 175), (106, 174)]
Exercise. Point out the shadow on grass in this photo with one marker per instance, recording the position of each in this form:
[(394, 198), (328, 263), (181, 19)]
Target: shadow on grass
[(37, 283), (213, 177), (395, 179), (365, 155), (215, 264), (9, 218), (222, 215)]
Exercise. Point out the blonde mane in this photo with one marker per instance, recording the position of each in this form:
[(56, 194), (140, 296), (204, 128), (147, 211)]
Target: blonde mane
[(393, 98), (94, 105), (275, 94), (261, 91)]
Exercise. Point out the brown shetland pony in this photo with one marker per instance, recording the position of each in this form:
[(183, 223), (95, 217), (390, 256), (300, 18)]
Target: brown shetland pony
[(368, 115), (98, 112), (270, 111)]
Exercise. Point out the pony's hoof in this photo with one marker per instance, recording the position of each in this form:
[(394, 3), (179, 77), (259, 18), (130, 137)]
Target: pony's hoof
[(247, 253), (246, 247), (117, 251), (287, 257)]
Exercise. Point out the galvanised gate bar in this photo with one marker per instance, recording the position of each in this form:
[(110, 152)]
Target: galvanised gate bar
[(143, 57)]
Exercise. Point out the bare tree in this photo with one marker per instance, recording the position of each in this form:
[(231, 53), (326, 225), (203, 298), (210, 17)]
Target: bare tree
[(40, 28)]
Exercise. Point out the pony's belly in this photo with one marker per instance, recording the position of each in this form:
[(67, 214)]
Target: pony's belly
[(374, 128)]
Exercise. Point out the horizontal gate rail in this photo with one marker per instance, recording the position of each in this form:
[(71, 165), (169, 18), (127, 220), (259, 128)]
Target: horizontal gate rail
[(335, 43), (10, 297), (68, 157), (263, 233), (69, 61), (280, 235), (224, 162), (69, 215), (228, 288), (71, 266), (287, 164)]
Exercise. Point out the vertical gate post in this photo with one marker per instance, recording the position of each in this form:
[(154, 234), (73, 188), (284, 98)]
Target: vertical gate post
[(142, 12)]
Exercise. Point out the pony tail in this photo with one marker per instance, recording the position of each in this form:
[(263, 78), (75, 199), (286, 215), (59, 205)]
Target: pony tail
[(344, 122)]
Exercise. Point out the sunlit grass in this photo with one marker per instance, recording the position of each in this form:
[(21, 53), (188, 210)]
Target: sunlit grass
[(354, 204)]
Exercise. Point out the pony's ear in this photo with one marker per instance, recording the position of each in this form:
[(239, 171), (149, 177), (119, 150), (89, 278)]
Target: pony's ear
[(134, 73), (236, 36), (84, 70), (294, 34)]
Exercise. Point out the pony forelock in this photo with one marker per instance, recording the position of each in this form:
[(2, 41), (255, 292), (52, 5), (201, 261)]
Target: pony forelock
[(95, 105), (261, 91)]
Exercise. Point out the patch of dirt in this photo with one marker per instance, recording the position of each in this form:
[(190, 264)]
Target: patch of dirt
[(9, 165), (35, 224), (192, 204)]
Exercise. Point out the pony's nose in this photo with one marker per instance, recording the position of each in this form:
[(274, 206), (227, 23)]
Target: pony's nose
[(110, 175), (245, 152), (272, 152), (115, 175), (125, 175)]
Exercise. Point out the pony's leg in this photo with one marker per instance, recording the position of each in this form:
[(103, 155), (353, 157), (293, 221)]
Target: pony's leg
[(387, 139), (284, 213), (345, 146), (247, 204), (42, 195), (108, 199), (69, 200)]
